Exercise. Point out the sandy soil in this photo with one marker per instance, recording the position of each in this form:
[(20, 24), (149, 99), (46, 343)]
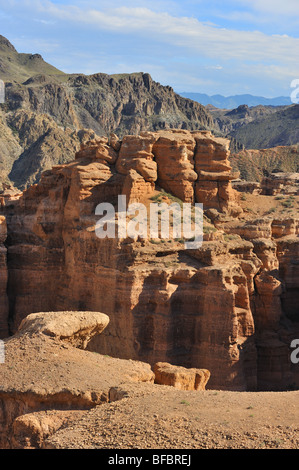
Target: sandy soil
[(281, 206), (161, 417)]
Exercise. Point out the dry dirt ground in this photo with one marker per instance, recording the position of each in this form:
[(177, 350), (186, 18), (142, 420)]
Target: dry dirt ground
[(281, 206), (160, 417), (139, 414)]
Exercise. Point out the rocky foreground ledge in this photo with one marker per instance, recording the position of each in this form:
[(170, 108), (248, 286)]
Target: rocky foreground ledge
[(48, 379), (57, 396)]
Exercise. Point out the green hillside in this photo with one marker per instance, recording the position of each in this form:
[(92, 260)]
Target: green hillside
[(19, 67)]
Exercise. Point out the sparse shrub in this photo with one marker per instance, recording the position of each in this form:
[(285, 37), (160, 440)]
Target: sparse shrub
[(209, 229), (231, 236), (155, 242), (287, 203), (184, 402)]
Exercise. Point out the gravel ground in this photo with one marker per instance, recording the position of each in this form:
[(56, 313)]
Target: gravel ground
[(160, 417)]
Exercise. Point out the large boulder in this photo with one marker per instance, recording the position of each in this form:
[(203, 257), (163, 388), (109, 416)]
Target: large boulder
[(180, 377), (77, 328)]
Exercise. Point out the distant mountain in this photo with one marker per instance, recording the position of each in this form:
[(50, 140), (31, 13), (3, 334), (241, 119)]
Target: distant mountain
[(259, 127), (270, 130), (232, 102)]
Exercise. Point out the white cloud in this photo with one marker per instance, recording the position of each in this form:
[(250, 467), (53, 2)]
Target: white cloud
[(273, 7), (270, 14), (46, 22), (201, 50), (185, 32)]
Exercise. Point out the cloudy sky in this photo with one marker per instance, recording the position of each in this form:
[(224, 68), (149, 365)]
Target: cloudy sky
[(206, 46)]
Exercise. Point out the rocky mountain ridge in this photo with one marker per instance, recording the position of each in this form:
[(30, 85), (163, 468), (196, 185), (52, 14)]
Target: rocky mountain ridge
[(20, 67), (48, 114), (42, 104), (259, 127)]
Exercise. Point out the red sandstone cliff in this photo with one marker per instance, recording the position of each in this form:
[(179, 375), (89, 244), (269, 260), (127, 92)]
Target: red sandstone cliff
[(208, 308)]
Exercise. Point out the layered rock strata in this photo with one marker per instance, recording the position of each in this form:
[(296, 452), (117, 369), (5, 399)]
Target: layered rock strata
[(274, 301), (4, 307), (281, 183), (206, 308), (251, 187)]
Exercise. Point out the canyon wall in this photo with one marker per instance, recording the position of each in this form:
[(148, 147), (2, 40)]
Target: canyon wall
[(4, 308), (220, 307)]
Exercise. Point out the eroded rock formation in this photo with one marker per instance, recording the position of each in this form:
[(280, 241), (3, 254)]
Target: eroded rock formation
[(180, 377), (280, 183), (251, 187), (47, 384), (45, 380), (4, 308), (209, 308)]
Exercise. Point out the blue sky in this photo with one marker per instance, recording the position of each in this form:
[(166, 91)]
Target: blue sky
[(226, 47)]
